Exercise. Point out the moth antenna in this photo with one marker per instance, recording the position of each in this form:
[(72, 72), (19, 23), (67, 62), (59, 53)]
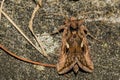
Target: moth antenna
[(93, 37), (64, 15)]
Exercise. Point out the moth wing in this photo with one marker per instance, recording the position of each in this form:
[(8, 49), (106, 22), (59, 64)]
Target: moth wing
[(86, 67), (65, 64), (84, 60)]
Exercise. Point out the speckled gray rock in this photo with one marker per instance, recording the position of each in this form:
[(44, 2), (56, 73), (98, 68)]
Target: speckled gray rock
[(102, 18)]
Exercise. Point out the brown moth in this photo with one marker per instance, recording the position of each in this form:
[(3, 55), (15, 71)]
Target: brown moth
[(74, 51)]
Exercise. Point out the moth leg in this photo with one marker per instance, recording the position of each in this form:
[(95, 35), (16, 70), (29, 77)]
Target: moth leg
[(93, 37), (58, 30), (87, 33)]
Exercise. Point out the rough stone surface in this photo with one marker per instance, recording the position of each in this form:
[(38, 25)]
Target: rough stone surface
[(102, 18)]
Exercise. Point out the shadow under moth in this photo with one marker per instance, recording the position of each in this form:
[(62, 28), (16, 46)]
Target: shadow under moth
[(75, 53)]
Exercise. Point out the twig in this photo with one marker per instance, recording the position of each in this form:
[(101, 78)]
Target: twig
[(26, 60), (39, 2), (20, 31), (31, 29), (1, 8)]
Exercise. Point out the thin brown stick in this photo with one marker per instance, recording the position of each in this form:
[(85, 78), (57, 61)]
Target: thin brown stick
[(1, 8), (31, 29), (20, 31), (32, 17), (39, 2), (26, 60)]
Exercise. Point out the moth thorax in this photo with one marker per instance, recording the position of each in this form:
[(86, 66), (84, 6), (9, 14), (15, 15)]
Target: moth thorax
[(74, 34)]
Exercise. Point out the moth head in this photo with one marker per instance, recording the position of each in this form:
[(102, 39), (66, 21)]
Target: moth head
[(73, 23)]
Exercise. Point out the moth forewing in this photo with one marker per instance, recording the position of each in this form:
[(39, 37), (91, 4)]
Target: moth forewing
[(86, 63), (61, 63), (89, 62)]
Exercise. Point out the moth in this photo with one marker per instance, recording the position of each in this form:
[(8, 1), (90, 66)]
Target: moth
[(75, 53)]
